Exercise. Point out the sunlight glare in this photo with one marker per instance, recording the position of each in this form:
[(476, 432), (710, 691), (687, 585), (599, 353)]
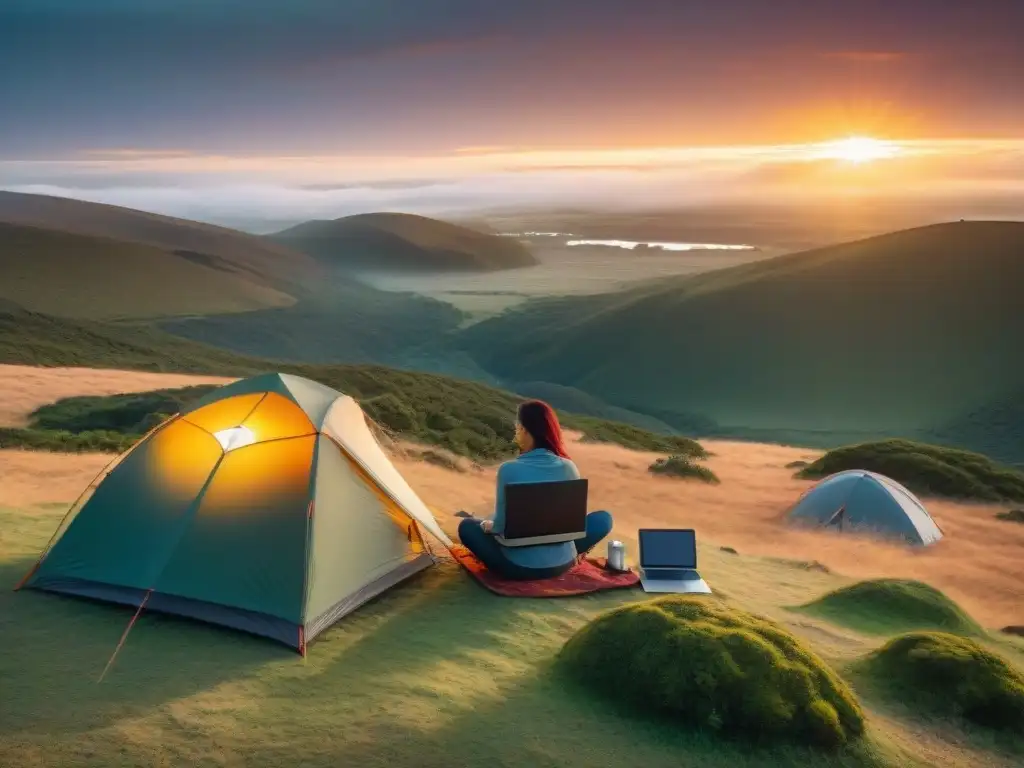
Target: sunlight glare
[(859, 149)]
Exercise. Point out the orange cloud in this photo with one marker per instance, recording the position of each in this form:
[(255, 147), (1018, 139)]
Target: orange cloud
[(868, 57)]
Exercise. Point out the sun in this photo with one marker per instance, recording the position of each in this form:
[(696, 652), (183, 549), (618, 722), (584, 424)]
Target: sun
[(858, 149)]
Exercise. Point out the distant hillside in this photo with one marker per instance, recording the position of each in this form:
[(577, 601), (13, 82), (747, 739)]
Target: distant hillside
[(31, 338), (252, 258), (400, 241), (75, 275), (912, 333), (347, 323)]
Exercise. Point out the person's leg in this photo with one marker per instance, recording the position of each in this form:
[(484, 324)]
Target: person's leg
[(487, 550), (492, 554), (599, 525)]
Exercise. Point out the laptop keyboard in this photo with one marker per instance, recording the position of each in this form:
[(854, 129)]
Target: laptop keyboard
[(672, 573)]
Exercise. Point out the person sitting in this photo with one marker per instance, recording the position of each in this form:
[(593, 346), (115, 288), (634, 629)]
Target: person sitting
[(542, 458)]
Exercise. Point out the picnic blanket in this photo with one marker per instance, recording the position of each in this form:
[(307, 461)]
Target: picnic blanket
[(588, 575)]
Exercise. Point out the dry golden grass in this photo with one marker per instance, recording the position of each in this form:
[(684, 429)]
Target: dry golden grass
[(978, 564), (24, 388)]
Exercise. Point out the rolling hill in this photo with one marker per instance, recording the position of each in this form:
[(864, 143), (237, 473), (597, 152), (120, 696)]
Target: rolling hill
[(75, 275), (910, 334), (248, 257), (210, 284), (399, 241)]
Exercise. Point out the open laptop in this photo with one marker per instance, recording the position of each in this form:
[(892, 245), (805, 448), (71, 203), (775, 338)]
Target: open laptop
[(544, 513), (668, 561)]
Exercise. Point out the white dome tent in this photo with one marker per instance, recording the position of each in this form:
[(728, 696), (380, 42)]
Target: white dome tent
[(857, 500)]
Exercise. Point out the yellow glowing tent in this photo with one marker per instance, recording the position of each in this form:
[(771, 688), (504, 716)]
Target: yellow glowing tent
[(267, 506)]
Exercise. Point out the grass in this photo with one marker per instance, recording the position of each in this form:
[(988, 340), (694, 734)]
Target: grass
[(437, 672), (888, 606), (683, 467), (684, 350), (952, 675), (708, 666), (389, 241), (1011, 515), (926, 469)]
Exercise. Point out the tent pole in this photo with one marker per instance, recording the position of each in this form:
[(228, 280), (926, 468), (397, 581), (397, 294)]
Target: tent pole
[(125, 635)]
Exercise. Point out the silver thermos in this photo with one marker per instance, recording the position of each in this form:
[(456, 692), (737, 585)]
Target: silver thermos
[(616, 556)]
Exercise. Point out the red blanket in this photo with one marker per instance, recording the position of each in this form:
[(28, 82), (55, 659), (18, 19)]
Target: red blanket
[(586, 576)]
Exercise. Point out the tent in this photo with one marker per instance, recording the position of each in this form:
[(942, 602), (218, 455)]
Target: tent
[(858, 500), (267, 506)]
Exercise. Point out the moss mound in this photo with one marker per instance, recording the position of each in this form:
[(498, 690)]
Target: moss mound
[(683, 466), (953, 675), (886, 606), (702, 663), (926, 469)]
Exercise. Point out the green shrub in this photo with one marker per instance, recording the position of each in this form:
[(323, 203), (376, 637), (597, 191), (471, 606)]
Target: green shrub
[(884, 606), (133, 414), (65, 442), (634, 438), (683, 466), (926, 469), (952, 675), (703, 664), (1012, 515), (390, 411)]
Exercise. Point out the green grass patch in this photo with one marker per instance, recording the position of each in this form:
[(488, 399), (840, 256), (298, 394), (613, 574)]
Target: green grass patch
[(62, 441), (926, 469), (683, 467), (947, 674), (1012, 515), (889, 606), (702, 664), (475, 688)]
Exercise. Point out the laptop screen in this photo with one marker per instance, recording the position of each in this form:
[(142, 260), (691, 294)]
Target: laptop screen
[(668, 549)]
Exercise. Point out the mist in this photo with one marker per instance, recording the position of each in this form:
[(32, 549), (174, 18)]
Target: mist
[(937, 179)]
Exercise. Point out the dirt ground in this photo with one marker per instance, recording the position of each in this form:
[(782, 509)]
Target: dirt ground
[(979, 563)]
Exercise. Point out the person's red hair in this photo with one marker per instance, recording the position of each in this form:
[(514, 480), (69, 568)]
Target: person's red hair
[(539, 419)]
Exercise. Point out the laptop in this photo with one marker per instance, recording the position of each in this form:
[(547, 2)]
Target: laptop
[(668, 561), (544, 513)]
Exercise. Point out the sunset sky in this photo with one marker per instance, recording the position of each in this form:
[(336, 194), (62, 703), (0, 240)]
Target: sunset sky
[(323, 97)]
